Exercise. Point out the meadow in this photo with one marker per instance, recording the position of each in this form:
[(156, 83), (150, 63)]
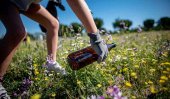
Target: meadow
[(138, 68)]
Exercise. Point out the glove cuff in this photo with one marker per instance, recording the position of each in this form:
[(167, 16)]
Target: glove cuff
[(95, 37)]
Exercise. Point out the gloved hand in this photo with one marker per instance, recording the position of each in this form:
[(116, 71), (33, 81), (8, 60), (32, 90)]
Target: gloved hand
[(99, 46)]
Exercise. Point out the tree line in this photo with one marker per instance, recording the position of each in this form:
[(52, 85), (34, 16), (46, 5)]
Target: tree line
[(121, 25)]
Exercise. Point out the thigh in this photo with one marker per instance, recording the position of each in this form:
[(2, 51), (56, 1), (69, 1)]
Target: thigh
[(39, 14), (9, 15)]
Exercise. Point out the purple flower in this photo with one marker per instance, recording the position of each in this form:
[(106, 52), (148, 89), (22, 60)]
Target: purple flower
[(101, 97), (115, 92), (112, 90)]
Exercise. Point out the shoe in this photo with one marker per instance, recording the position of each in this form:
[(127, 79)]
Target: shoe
[(3, 93), (55, 67)]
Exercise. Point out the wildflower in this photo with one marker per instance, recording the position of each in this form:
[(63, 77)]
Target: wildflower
[(36, 96), (133, 97), (133, 74), (136, 66), (166, 63), (78, 82), (146, 83), (128, 84), (115, 92), (36, 72), (113, 69), (152, 89), (28, 40), (150, 82), (46, 78), (53, 94), (165, 72), (35, 65), (125, 69), (161, 81), (152, 70), (99, 85), (164, 78)]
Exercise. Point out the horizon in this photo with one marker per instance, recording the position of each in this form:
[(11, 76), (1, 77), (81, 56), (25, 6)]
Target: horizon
[(134, 10)]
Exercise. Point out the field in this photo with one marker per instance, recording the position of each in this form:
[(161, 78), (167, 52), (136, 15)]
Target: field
[(138, 68)]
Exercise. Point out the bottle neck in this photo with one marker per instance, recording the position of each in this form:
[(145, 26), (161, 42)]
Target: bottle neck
[(110, 46)]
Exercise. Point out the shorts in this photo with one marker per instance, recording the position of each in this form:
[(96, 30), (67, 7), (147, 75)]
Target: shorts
[(24, 4)]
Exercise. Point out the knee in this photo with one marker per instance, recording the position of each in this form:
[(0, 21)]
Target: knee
[(53, 25)]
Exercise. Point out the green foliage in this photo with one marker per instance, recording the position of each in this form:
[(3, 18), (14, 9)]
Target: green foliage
[(117, 23), (99, 22), (164, 23), (78, 28), (148, 24)]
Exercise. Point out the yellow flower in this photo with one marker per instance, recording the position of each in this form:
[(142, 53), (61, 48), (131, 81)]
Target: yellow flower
[(28, 40), (53, 94), (37, 78), (78, 82), (168, 69), (36, 72), (36, 96), (113, 69), (133, 74), (161, 81), (35, 65), (152, 70), (143, 61), (46, 78), (152, 89), (150, 82), (164, 78), (128, 84), (125, 69), (133, 97), (136, 66), (165, 54), (99, 85), (166, 63), (165, 72)]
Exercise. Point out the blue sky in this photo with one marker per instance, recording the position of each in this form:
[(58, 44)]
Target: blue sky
[(109, 10)]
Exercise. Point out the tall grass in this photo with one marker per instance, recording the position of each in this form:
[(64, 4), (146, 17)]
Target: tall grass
[(139, 66)]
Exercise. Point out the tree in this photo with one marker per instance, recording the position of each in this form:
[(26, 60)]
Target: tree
[(99, 23), (122, 24), (63, 30), (164, 23), (78, 28), (148, 24)]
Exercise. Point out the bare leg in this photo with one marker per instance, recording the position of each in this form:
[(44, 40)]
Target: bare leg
[(14, 35), (42, 16), (82, 11)]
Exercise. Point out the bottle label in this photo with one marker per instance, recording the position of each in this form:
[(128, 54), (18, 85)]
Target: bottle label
[(83, 57)]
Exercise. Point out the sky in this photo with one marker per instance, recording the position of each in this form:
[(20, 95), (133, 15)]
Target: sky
[(109, 10)]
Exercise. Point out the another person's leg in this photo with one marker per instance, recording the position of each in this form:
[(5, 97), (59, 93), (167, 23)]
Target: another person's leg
[(82, 11), (42, 16), (15, 33)]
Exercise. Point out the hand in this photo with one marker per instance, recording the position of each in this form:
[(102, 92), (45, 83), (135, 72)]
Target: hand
[(99, 46)]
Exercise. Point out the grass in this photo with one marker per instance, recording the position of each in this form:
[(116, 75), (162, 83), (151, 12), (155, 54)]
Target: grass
[(139, 66)]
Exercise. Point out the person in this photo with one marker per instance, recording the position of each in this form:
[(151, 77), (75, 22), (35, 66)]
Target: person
[(15, 32)]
